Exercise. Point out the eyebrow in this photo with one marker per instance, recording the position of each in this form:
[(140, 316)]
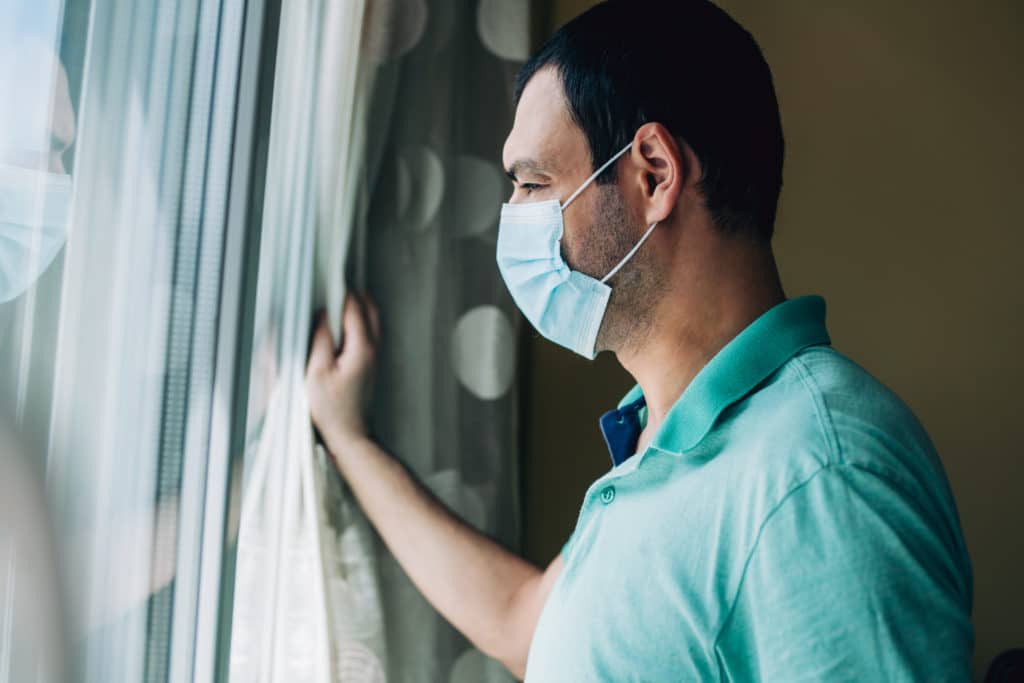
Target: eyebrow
[(530, 166)]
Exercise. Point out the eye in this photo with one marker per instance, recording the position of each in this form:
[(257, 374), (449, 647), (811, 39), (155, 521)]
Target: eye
[(530, 187)]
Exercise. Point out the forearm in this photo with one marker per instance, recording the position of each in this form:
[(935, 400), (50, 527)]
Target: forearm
[(471, 580)]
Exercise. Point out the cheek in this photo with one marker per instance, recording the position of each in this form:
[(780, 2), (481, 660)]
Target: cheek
[(575, 234), (568, 252)]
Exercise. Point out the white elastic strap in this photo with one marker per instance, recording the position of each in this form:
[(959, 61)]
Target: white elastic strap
[(628, 256), (598, 172)]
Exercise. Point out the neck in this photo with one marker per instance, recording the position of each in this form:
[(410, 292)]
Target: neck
[(715, 296)]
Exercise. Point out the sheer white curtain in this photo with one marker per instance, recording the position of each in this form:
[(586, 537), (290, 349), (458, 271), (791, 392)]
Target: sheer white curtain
[(307, 602)]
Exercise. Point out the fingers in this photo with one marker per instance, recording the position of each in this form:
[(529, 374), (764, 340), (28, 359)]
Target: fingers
[(321, 353), (360, 321)]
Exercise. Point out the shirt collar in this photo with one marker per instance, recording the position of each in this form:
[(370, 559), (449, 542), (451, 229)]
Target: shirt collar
[(746, 361)]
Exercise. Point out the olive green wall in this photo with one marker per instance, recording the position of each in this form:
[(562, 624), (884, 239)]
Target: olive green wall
[(903, 207)]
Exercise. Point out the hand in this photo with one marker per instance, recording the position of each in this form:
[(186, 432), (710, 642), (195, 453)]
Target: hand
[(339, 385)]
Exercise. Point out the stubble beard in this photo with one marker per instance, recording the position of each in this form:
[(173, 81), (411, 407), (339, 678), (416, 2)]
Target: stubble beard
[(629, 317)]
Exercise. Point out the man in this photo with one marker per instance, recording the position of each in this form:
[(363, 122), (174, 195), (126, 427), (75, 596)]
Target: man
[(773, 513)]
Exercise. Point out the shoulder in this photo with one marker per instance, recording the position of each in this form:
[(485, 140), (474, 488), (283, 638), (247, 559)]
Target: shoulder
[(869, 428), (840, 448), (824, 399), (822, 415)]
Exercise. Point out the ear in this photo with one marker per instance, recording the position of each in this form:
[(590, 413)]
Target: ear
[(663, 170)]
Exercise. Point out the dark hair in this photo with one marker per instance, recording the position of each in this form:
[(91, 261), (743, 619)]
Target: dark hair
[(687, 65)]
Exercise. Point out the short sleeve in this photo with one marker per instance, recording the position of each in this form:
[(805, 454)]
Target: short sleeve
[(850, 579)]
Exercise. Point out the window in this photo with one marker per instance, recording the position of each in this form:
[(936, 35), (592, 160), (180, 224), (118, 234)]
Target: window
[(129, 161)]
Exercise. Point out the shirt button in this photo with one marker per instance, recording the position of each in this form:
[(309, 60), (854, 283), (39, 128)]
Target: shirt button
[(608, 494)]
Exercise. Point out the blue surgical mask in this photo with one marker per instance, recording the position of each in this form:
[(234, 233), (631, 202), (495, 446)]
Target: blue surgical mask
[(564, 305), (34, 208)]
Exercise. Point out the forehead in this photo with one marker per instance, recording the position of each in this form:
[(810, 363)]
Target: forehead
[(543, 130)]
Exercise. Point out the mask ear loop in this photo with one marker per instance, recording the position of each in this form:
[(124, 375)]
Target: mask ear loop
[(628, 256), (598, 172)]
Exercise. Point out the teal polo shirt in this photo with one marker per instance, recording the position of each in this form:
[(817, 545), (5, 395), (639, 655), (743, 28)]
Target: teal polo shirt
[(790, 521)]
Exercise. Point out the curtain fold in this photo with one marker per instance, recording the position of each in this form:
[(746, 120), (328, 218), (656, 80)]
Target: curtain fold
[(387, 124), (306, 598), (446, 399)]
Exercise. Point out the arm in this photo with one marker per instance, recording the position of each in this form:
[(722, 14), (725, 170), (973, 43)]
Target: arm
[(489, 594)]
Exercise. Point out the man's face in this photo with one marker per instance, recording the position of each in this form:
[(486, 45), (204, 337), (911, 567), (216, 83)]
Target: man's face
[(548, 157)]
